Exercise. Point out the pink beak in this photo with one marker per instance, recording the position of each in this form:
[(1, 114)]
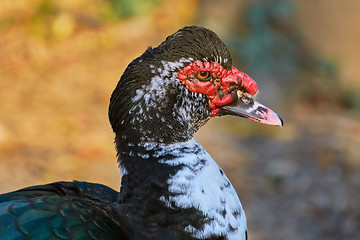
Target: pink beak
[(249, 108)]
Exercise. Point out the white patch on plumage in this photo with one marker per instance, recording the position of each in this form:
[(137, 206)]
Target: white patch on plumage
[(153, 95), (164, 74), (203, 185), (123, 170)]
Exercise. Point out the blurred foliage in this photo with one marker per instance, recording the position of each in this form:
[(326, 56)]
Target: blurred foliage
[(353, 99), (126, 8), (268, 45), (58, 19), (271, 45), (42, 17)]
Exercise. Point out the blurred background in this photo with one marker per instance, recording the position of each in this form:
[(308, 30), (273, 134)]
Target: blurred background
[(60, 60)]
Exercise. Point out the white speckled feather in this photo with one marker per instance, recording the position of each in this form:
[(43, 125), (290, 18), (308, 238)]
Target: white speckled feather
[(203, 185)]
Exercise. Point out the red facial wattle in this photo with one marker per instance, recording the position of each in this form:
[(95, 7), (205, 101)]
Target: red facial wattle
[(219, 86)]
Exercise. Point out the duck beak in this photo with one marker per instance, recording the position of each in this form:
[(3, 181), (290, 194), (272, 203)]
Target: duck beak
[(246, 107)]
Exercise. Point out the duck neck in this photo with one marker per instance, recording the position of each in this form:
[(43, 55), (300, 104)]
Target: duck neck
[(146, 167), (180, 186), (146, 187)]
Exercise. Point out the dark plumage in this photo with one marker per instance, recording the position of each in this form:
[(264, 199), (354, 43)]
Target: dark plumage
[(62, 210), (171, 188)]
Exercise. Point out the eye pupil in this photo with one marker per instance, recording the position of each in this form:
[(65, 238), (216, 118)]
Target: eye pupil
[(203, 75)]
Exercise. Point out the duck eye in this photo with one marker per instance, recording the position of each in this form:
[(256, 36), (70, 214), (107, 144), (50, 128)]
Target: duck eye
[(203, 75)]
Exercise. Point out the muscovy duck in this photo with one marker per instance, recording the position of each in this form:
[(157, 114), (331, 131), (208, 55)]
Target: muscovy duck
[(171, 188)]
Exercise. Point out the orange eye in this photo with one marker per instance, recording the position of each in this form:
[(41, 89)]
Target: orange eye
[(203, 75)]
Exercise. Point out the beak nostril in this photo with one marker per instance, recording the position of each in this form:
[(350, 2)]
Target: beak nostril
[(245, 99)]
